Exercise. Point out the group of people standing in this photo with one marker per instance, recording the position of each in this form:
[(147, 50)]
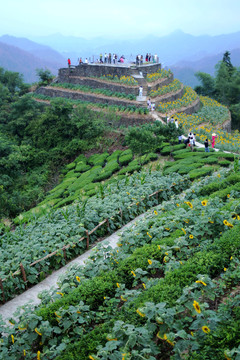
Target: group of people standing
[(150, 105), (172, 120), (110, 58), (148, 58), (191, 139)]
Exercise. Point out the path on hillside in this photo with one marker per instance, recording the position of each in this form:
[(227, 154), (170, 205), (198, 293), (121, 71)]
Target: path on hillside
[(31, 295)]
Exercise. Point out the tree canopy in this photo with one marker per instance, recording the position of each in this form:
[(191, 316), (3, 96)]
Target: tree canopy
[(224, 86)]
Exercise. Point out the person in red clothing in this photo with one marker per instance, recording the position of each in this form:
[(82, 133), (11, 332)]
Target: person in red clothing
[(214, 136), (69, 62)]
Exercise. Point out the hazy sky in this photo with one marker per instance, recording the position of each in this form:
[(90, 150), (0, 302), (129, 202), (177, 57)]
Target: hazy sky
[(116, 18)]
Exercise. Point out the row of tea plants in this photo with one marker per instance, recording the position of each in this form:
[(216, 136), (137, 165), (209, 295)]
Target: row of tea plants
[(168, 291), (83, 178)]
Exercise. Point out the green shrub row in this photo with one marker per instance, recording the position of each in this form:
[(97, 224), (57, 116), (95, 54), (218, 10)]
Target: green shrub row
[(169, 149), (219, 184)]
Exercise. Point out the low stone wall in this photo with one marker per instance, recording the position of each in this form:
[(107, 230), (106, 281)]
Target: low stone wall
[(133, 120), (101, 84), (98, 70), (76, 95), (227, 125)]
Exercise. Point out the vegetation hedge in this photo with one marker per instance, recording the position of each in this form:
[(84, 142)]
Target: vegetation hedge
[(198, 173), (169, 149), (125, 157)]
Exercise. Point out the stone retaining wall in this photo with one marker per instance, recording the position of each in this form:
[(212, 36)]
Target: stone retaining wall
[(134, 120), (98, 70), (227, 125)]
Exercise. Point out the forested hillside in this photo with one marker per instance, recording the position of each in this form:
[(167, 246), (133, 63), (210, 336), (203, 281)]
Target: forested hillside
[(224, 87)]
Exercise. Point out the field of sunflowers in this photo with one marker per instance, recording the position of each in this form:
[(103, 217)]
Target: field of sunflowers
[(208, 120), (188, 98)]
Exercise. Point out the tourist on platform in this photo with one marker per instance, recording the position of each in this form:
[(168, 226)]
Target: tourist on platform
[(146, 58), (101, 60), (214, 136), (206, 145), (116, 58), (80, 61), (141, 59), (155, 58), (86, 61), (105, 58), (109, 58), (137, 62), (113, 58), (69, 62), (149, 57)]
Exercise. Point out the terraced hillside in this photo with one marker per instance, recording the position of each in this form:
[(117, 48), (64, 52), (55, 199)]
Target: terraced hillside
[(117, 89)]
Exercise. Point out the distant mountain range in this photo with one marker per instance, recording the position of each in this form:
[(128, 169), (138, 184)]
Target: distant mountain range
[(185, 54), (25, 56), (184, 70)]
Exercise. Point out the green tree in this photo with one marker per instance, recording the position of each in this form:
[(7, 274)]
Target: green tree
[(45, 76), (142, 140), (208, 84), (21, 113), (227, 60)]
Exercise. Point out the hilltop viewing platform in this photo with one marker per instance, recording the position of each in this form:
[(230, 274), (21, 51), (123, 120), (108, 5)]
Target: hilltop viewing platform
[(133, 85)]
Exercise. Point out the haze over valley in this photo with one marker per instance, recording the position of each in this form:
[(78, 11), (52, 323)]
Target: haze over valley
[(184, 53)]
